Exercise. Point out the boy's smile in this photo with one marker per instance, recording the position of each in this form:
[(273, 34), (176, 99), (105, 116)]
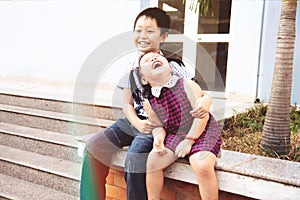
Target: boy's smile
[(143, 45)]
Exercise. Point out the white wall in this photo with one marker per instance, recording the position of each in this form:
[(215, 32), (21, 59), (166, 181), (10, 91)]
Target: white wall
[(268, 51), (245, 30), (50, 40), (295, 98)]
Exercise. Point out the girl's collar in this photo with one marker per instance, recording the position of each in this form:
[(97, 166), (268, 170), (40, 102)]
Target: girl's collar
[(169, 84)]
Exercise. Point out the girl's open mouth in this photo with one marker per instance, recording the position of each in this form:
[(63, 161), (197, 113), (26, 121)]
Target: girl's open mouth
[(156, 64)]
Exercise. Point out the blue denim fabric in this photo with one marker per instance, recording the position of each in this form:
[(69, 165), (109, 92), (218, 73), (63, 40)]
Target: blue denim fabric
[(97, 157), (135, 167)]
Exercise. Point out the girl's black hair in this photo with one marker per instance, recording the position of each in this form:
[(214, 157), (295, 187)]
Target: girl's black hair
[(136, 93), (179, 61)]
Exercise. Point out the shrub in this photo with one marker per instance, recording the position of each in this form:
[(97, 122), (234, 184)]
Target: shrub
[(243, 131)]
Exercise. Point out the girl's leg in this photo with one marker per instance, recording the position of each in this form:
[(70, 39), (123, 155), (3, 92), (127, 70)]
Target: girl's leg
[(155, 183), (155, 178), (203, 165)]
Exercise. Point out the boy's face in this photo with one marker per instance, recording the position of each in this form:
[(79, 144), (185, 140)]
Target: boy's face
[(148, 35)]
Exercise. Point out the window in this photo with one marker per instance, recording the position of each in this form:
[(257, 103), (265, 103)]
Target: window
[(210, 35), (211, 65), (219, 22), (175, 9)]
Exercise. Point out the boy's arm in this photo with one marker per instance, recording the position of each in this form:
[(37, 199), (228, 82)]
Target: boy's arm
[(144, 126), (203, 103), (194, 92), (128, 108), (202, 106)]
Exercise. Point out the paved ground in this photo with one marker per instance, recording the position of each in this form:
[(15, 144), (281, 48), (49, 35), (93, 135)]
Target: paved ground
[(104, 94)]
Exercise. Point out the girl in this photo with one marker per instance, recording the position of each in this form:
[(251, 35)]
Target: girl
[(169, 102)]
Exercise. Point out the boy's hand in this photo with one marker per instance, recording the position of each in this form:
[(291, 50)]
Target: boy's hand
[(183, 148), (202, 107), (145, 126)]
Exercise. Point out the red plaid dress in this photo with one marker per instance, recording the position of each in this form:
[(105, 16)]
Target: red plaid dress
[(173, 108)]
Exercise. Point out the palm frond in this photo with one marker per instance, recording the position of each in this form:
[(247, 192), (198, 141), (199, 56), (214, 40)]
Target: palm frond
[(204, 6)]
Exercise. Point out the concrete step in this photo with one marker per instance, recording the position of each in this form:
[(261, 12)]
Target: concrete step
[(44, 142), (52, 121), (18, 189), (62, 106), (38, 144), (54, 173)]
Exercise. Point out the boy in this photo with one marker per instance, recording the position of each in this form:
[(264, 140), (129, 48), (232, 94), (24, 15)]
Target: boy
[(151, 29)]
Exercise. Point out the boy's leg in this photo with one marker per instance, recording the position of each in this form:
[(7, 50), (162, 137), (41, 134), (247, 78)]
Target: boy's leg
[(135, 167), (93, 178), (97, 157)]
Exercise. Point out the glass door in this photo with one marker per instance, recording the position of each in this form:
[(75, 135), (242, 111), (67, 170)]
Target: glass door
[(201, 41)]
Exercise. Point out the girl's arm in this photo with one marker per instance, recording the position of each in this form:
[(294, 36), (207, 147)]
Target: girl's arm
[(159, 133), (193, 92)]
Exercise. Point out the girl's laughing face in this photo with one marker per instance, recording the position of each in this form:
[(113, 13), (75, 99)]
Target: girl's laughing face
[(154, 68)]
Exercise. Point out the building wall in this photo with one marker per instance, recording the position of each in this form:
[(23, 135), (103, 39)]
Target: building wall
[(51, 40), (173, 189), (268, 50), (245, 31), (296, 70)]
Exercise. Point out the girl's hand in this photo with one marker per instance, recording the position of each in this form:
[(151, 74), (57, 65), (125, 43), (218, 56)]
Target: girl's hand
[(183, 148), (158, 144)]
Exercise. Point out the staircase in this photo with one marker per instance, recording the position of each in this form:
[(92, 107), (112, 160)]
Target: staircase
[(38, 145)]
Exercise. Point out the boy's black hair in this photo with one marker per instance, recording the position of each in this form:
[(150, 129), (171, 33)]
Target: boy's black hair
[(161, 17), (136, 93)]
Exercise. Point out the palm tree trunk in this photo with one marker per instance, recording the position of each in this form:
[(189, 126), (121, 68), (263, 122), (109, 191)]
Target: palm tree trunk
[(276, 130)]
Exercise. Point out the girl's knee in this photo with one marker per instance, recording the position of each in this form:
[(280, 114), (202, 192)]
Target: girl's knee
[(203, 163), (157, 161), (152, 164)]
